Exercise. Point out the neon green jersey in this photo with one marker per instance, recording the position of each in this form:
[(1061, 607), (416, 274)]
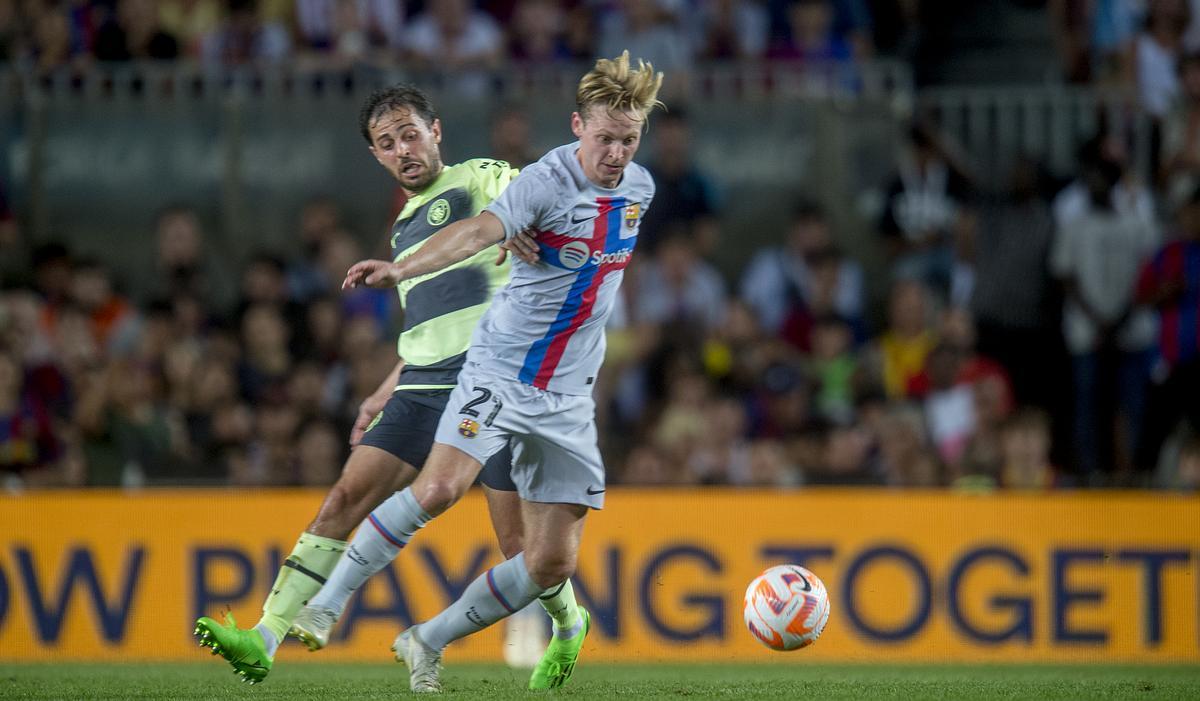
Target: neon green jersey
[(442, 308)]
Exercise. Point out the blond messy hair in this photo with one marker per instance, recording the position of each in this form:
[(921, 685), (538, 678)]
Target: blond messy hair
[(616, 86)]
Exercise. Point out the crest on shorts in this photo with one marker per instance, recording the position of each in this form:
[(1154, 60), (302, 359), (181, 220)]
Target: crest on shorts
[(468, 428), (439, 212), (632, 212)]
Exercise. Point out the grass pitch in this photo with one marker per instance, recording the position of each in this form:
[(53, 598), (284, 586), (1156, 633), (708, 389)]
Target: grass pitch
[(313, 682)]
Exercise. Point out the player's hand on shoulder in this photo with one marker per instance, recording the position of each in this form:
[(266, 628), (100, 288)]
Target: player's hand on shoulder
[(523, 245), (371, 273)]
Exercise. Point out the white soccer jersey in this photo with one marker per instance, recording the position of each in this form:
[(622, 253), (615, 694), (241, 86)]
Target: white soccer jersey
[(546, 326)]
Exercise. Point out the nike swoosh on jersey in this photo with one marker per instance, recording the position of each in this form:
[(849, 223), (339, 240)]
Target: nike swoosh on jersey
[(593, 492)]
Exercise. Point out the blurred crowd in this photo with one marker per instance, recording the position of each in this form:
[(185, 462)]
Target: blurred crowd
[(1040, 337), (458, 37)]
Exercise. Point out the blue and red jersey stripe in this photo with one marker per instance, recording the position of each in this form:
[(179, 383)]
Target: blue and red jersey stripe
[(1179, 319), (546, 353)]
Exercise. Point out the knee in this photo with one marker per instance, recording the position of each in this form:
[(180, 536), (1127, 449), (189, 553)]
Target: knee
[(548, 569), (437, 494)]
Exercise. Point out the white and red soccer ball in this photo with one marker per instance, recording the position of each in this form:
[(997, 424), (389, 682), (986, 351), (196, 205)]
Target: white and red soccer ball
[(786, 607)]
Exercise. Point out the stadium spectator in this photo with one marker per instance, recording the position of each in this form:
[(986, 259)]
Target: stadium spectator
[(319, 450), (272, 455), (537, 33), (1186, 475), (731, 30), (646, 466), (510, 137), (834, 367), (27, 432), (813, 41), (904, 456), (1180, 157), (781, 406), (685, 192), (646, 30), (845, 458), (582, 37), (51, 47), (1170, 282), (244, 37), (185, 263), (1157, 51), (134, 32), (678, 288), (189, 21), (350, 31), (1097, 256), (320, 218), (926, 219), (267, 360), (339, 251), (720, 454), (894, 359), (1096, 39), (115, 322), (130, 435), (788, 286), (1130, 194), (453, 41), (1026, 452), (1014, 297)]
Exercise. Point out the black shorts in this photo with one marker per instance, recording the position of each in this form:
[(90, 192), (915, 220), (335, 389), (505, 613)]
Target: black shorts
[(406, 426)]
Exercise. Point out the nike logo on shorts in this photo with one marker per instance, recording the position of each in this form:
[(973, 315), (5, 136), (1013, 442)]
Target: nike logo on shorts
[(593, 492)]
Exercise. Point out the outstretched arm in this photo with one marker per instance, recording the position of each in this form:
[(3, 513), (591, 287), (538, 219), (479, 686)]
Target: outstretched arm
[(456, 242)]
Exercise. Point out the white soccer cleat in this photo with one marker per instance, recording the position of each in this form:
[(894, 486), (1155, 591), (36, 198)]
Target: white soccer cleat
[(313, 625), (423, 662)]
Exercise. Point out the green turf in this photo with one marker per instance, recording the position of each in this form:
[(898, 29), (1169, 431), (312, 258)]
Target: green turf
[(313, 682)]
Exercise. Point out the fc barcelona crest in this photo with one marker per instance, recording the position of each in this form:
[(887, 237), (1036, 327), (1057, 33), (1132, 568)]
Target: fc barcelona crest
[(632, 213), (468, 428)]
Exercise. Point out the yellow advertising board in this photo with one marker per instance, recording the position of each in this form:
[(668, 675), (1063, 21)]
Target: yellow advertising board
[(912, 576)]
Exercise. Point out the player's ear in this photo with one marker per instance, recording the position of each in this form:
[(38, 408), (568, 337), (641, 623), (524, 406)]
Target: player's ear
[(436, 130), (577, 124), (375, 154)]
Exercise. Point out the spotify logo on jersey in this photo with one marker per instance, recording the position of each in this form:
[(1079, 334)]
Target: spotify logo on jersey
[(574, 254)]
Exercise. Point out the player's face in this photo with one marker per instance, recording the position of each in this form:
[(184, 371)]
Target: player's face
[(408, 147), (607, 141)]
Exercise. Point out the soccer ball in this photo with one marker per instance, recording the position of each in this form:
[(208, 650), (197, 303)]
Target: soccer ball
[(786, 607)]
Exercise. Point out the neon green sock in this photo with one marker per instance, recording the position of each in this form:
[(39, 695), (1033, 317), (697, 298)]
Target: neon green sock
[(560, 604), (301, 577)]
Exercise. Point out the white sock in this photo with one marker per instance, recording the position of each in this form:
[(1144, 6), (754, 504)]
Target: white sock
[(269, 639), (376, 543), (495, 594)]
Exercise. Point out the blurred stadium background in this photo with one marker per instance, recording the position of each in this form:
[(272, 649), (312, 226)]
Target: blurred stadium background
[(917, 306)]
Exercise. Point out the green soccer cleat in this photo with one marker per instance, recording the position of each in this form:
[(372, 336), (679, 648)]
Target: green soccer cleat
[(556, 665), (244, 649)]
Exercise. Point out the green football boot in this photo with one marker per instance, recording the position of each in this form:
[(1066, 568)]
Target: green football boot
[(244, 649), (557, 663)]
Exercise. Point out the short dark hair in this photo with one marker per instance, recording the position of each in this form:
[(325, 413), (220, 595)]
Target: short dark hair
[(385, 100)]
